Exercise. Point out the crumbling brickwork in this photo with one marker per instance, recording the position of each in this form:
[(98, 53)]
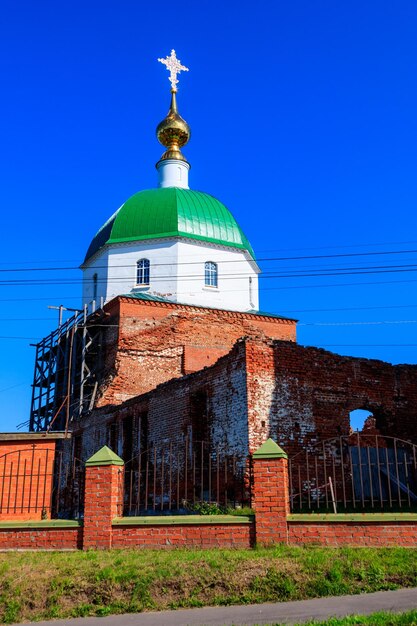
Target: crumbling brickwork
[(259, 388), (209, 405), (305, 395), (157, 341)]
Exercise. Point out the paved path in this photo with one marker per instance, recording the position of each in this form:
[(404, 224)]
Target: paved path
[(281, 613)]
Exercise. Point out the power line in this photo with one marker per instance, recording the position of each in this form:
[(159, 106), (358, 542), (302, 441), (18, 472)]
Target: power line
[(362, 345), (381, 322), (270, 250), (382, 282), (354, 308), (343, 309), (280, 288), (26, 338), (26, 319), (184, 293), (13, 387), (383, 269), (199, 262), (303, 324)]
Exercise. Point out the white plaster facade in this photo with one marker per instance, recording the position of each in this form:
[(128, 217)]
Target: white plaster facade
[(176, 272), (173, 173)]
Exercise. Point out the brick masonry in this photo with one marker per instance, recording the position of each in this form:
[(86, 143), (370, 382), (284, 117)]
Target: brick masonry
[(305, 395), (103, 499), (102, 528), (367, 533), (41, 538), (336, 534), (210, 404), (148, 343), (271, 500), (213, 535), (261, 388)]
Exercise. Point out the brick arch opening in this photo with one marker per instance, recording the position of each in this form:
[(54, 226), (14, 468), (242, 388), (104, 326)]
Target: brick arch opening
[(358, 419), (369, 419)]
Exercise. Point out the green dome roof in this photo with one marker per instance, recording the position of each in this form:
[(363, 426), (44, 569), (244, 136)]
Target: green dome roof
[(171, 212)]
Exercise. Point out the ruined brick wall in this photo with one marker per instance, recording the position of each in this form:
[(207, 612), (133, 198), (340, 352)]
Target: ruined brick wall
[(296, 395), (209, 405), (158, 341), (304, 395)]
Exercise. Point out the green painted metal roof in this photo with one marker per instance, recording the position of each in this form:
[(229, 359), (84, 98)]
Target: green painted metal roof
[(171, 212)]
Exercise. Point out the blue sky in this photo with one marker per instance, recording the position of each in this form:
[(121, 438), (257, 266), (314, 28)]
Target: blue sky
[(303, 117)]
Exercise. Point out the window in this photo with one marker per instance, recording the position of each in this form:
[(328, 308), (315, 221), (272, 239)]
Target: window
[(95, 280), (142, 272), (210, 274)]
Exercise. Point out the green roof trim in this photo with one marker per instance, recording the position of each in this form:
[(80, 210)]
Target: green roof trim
[(270, 450), (152, 298), (171, 212), (104, 456), (48, 523), (147, 296), (182, 520), (313, 518)]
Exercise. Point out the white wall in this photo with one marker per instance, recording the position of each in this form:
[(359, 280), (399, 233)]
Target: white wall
[(98, 266), (234, 271), (176, 272)]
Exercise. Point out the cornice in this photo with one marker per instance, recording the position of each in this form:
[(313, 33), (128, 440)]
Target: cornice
[(193, 307)]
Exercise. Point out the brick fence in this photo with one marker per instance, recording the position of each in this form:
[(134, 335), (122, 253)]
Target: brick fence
[(103, 526)]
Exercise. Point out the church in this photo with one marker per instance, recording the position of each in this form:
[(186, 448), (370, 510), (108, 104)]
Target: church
[(172, 345)]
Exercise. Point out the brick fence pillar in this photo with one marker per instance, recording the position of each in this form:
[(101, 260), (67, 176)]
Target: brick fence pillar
[(103, 498), (271, 494)]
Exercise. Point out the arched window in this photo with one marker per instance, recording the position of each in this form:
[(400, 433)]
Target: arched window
[(95, 281), (210, 274), (142, 272)]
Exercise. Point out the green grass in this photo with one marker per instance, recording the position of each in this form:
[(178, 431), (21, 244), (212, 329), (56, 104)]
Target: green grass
[(376, 619), (45, 585)]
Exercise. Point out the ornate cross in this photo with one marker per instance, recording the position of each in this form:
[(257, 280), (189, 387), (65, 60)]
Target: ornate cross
[(174, 66)]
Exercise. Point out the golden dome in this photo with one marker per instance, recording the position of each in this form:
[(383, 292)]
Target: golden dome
[(173, 132)]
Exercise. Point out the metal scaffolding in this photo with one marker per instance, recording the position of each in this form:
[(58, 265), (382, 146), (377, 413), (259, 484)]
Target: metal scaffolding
[(68, 368)]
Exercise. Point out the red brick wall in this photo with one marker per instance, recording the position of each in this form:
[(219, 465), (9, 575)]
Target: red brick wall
[(271, 500), (198, 536), (305, 395), (26, 477), (169, 410), (353, 533), (40, 538), (296, 395), (102, 503), (376, 534), (157, 342)]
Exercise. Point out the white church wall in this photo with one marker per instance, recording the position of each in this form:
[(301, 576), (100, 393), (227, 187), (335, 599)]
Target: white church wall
[(120, 275), (99, 267), (233, 290), (122, 268), (177, 272)]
